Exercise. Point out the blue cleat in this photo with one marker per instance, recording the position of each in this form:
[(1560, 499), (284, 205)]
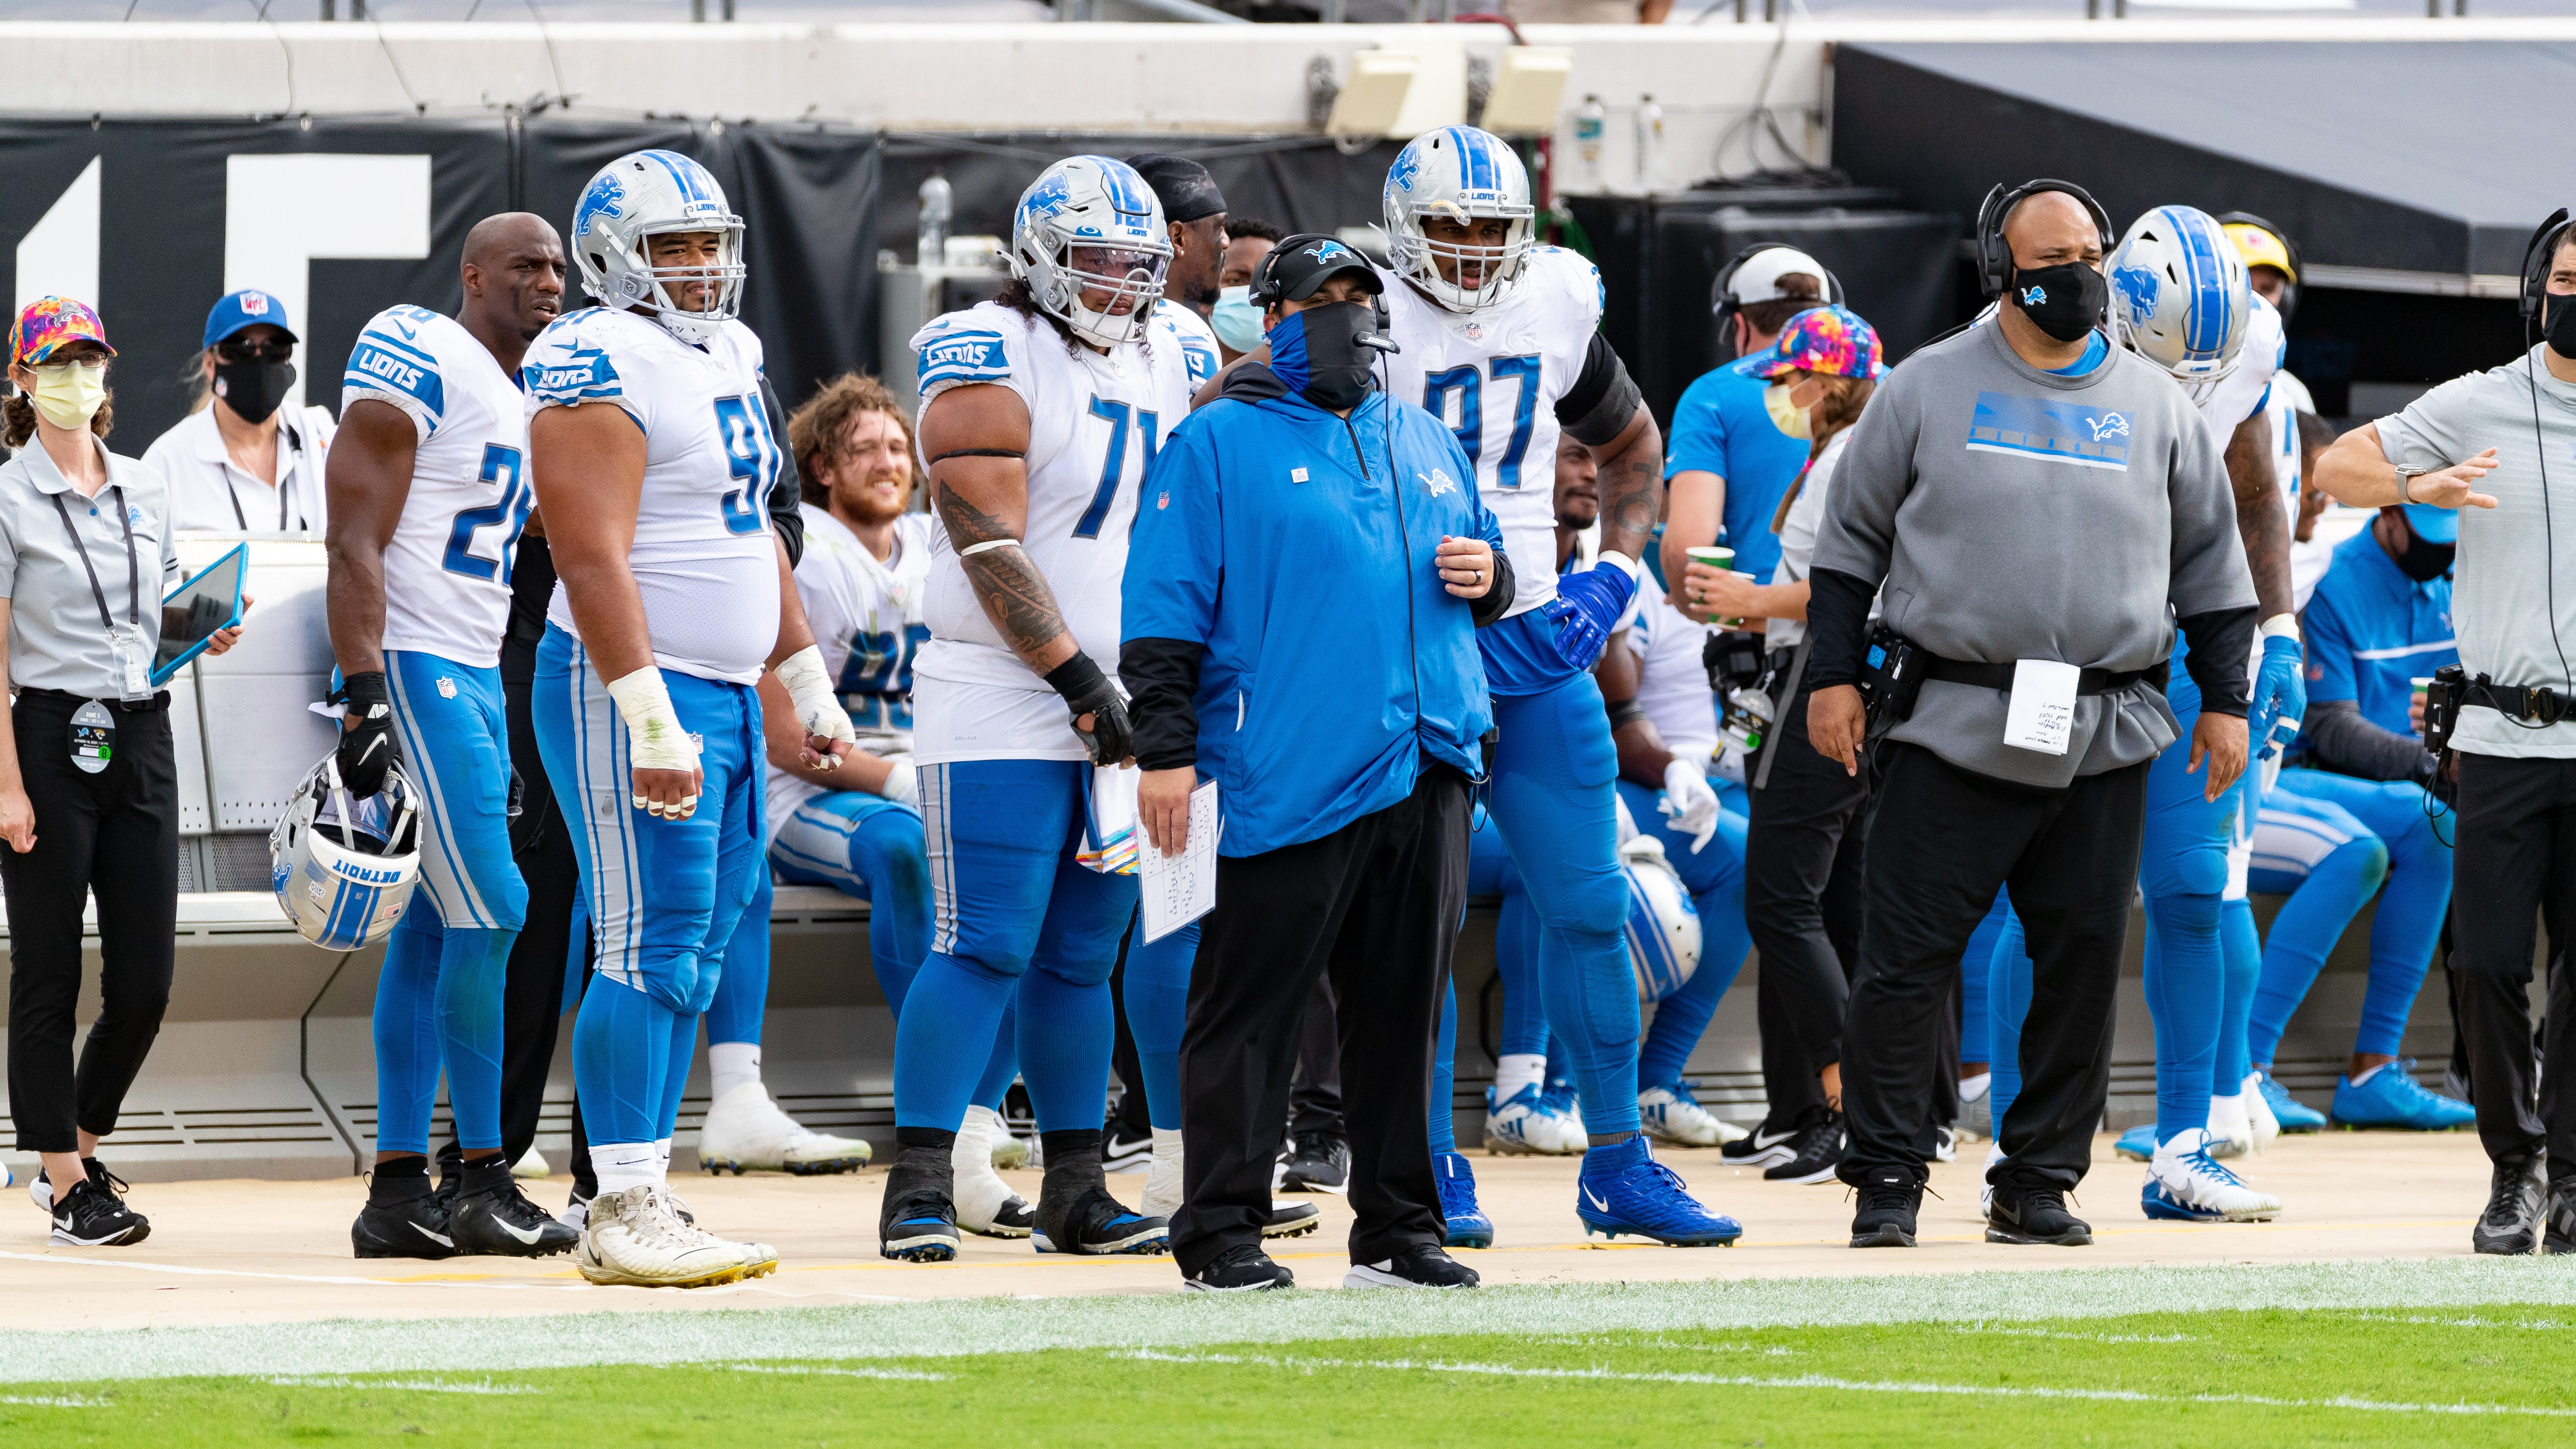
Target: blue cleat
[(2391, 1098), (2293, 1114), (1468, 1225), (2138, 1144), (1623, 1189)]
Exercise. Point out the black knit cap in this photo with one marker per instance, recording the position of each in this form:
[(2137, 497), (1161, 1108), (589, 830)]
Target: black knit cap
[(1187, 191)]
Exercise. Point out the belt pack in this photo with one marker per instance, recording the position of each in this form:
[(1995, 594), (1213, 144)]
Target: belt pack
[(2091, 681), (1897, 668)]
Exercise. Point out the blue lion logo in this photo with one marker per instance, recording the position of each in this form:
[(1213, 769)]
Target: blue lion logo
[(2109, 425), (605, 197), (1046, 198), (2138, 287), (2034, 296), (1408, 165)]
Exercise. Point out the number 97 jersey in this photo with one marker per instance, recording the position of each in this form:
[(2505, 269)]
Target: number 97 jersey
[(447, 570), (1494, 376)]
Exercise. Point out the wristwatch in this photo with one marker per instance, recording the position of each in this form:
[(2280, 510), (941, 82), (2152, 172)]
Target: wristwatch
[(2406, 477)]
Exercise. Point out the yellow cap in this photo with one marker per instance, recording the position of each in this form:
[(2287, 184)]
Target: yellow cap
[(2260, 248)]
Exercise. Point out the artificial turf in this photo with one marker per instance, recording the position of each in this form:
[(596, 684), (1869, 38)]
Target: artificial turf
[(2275, 1377)]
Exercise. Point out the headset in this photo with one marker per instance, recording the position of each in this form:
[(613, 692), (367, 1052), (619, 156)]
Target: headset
[(1265, 287), (2298, 266), (1994, 258), (1722, 301)]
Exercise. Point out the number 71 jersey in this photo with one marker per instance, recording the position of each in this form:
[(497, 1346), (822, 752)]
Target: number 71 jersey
[(447, 570), (1494, 376)]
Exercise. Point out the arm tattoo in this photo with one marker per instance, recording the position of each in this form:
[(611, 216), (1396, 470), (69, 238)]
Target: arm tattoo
[(1014, 594), (1632, 496)]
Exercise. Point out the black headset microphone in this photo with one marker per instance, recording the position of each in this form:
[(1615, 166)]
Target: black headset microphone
[(1994, 258), (1725, 306)]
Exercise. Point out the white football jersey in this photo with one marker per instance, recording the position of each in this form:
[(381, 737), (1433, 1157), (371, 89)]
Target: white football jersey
[(447, 570), (1198, 339), (867, 619), (704, 557), (1672, 682), (1494, 376), (1095, 422), (2240, 394)]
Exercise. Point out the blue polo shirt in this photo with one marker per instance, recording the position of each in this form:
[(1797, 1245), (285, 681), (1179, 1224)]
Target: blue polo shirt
[(1721, 427), (2371, 630)]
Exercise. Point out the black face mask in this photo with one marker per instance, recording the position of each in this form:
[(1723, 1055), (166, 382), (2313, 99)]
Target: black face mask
[(2424, 562), (2064, 301), (253, 389), (1318, 354), (2558, 324)]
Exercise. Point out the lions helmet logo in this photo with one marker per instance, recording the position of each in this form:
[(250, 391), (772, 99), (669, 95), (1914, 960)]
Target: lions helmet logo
[(606, 197), (2138, 287), (2109, 425), (2034, 296)]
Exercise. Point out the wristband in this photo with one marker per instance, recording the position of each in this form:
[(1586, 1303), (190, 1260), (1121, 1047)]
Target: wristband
[(1077, 679), (2282, 626), (658, 741)]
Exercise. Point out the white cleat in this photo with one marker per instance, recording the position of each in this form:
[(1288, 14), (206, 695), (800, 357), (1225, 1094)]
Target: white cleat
[(2267, 1128), (1677, 1118), (2185, 1184), (1527, 1124), (745, 1132), (531, 1167), (982, 1201), (2231, 1127), (631, 1239)]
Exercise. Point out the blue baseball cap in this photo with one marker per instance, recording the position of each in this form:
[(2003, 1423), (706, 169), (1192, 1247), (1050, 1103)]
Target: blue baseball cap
[(248, 307), (2433, 523)]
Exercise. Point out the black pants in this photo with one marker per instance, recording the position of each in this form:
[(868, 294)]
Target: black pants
[(1942, 840), (1315, 1099), (2515, 857), (115, 833), (1802, 903), (1375, 905)]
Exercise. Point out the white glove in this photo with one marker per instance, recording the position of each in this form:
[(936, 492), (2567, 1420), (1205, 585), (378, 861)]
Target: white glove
[(1688, 802), (900, 786), (656, 739), (1627, 822), (818, 709)]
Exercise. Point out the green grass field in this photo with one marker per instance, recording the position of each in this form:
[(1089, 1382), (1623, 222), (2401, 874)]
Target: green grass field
[(1959, 1360)]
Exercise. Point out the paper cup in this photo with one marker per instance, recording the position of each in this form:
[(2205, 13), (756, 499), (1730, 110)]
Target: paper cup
[(1716, 556)]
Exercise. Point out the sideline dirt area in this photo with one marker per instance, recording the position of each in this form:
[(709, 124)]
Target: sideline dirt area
[(235, 1252)]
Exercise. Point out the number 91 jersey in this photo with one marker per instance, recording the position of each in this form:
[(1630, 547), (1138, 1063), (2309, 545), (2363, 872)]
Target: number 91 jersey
[(1494, 376), (447, 570), (704, 558)]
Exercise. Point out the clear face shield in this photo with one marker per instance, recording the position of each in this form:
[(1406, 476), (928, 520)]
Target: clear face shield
[(1470, 272), (1111, 290)]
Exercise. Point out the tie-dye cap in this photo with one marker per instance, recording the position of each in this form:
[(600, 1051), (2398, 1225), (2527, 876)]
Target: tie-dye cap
[(48, 323), (1831, 340)]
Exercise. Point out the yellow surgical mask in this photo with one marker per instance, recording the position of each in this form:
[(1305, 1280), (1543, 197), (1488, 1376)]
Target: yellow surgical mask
[(69, 394), (1786, 415)]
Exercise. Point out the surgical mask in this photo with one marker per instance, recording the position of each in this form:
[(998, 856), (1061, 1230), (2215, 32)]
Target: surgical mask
[(1317, 353), (69, 394), (1236, 320), (2558, 316), (1786, 415), (253, 389), (2424, 562), (2065, 301)]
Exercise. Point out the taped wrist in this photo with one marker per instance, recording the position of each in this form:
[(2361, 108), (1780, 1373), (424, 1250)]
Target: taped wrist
[(644, 702), (1081, 683), (818, 709)]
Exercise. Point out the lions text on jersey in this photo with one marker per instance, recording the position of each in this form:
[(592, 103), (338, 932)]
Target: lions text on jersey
[(447, 570), (867, 618), (1494, 375), (1095, 422), (704, 558)]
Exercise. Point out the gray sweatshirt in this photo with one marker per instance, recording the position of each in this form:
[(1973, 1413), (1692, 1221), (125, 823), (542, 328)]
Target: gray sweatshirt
[(2010, 513)]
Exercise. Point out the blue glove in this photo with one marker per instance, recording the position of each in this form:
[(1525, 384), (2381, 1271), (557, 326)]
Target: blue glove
[(1586, 610), (2280, 697)]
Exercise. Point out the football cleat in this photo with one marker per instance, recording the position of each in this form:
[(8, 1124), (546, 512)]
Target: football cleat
[(1624, 1190), (917, 1220), (1468, 1225), (2258, 1112), (2391, 1098), (2231, 1127), (1094, 1224), (2185, 1184), (496, 1218), (2138, 1144), (1672, 1115), (632, 1240), (416, 1227), (744, 1131), (984, 1203), (1528, 1124), (2293, 1114)]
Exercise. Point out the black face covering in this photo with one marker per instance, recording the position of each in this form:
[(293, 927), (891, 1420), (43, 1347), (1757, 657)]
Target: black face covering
[(1317, 352), (2421, 561), (2064, 301), (2558, 316), (253, 389)]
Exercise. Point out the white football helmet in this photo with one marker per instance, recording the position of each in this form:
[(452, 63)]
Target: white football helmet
[(1458, 173), (1090, 223), (1663, 924), (2180, 295), (342, 868), (643, 194)]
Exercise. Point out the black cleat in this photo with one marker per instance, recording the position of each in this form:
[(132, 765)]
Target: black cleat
[(917, 1222), (1291, 1220), (91, 1216), (1240, 1270), (1813, 1154), (1096, 1224), (2035, 1215), (1318, 1162), (1887, 1207), (492, 1216), (402, 1227), (1013, 1219), (1422, 1265), (2511, 1224)]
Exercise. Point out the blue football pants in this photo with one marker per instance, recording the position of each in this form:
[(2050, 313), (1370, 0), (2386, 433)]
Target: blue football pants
[(2337, 836), (1715, 879)]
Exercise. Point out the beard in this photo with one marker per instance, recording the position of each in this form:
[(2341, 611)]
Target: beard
[(867, 506)]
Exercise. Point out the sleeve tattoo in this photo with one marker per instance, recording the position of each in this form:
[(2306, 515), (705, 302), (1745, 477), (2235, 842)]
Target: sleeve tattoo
[(1014, 594)]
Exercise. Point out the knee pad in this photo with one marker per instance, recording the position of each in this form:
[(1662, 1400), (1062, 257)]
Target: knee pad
[(888, 852), (1590, 902)]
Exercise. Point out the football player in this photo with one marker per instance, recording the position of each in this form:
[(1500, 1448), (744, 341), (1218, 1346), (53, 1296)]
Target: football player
[(653, 460), (1501, 340), (1040, 411), (429, 489)]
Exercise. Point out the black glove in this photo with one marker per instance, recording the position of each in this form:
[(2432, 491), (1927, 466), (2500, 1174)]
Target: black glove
[(1087, 691), (367, 743)]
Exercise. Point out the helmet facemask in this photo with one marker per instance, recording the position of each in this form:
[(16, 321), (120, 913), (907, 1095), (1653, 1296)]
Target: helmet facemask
[(1494, 267), (1060, 269), (631, 280)]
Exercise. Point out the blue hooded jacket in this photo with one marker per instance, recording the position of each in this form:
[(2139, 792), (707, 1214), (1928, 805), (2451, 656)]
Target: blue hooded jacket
[(1285, 627)]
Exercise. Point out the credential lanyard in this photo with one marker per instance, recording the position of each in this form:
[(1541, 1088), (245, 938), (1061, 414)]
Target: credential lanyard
[(133, 571)]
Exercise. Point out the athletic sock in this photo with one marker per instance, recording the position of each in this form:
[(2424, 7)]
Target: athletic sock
[(398, 1180), (621, 1165), (2185, 986), (731, 1064), (1072, 1173), (1444, 1076), (2368, 1074), (1517, 1070)]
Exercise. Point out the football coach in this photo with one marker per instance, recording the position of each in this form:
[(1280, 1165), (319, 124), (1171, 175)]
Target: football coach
[(1309, 566)]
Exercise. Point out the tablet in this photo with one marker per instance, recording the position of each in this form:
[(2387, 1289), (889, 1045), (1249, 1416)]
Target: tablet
[(199, 609)]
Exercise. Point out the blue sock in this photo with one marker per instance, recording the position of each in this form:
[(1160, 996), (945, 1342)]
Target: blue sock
[(1003, 1067), (621, 1049), (2186, 981), (2310, 922), (886, 852), (1157, 997), (953, 1000), (406, 1032), (2008, 990), (2408, 927), (675, 1074), (2244, 948), (471, 969), (1066, 1031), (1524, 1024), (1976, 971), (1444, 1077), (742, 989)]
